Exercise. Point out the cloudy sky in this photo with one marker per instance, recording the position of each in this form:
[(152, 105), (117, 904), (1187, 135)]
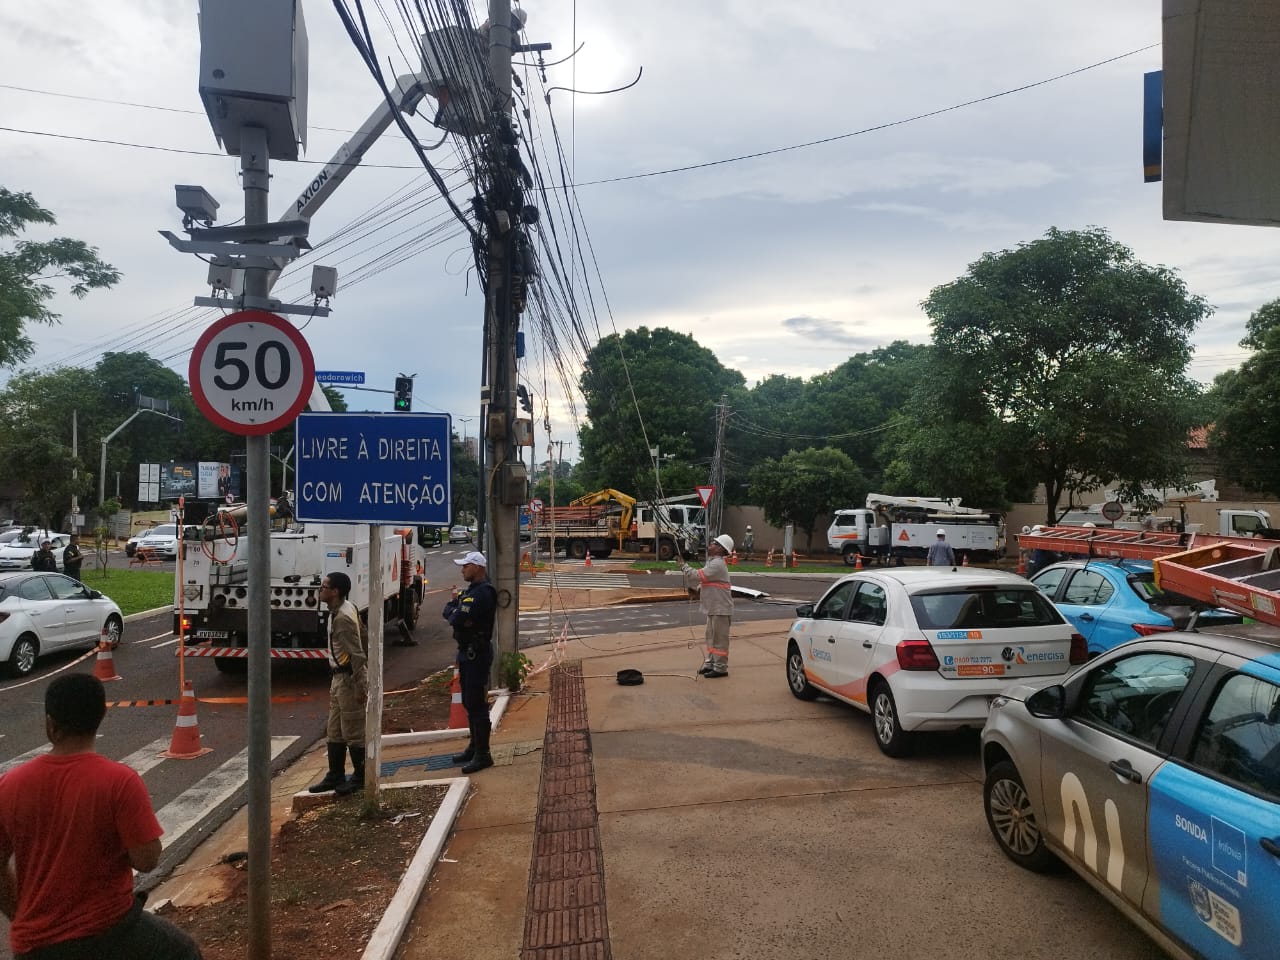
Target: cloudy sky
[(786, 263)]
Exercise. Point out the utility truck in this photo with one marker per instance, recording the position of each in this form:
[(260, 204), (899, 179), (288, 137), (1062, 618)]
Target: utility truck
[(607, 520), (906, 527), (211, 597)]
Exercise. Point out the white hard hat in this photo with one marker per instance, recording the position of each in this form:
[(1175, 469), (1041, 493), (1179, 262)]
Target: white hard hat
[(725, 541), (942, 533), (1037, 528), (1026, 529), (1089, 523)]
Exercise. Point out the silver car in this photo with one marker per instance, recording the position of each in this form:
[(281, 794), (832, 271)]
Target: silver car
[(1153, 772)]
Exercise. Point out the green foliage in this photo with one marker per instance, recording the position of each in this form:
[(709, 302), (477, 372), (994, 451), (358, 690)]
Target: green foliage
[(1072, 352), (675, 382), (26, 269), (804, 484), (1246, 434), (513, 667), (134, 590)]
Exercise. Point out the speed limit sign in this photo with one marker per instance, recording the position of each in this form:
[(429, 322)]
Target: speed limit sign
[(251, 373)]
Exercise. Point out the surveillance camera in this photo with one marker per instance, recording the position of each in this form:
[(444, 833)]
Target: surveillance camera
[(324, 281), (195, 203)]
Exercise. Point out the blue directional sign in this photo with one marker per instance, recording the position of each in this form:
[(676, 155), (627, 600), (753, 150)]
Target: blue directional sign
[(348, 377), (387, 468)]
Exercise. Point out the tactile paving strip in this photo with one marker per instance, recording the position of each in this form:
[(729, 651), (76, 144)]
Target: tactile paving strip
[(565, 915)]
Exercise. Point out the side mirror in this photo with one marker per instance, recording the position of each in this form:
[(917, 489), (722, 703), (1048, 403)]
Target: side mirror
[(1049, 703), (93, 594), (805, 610)]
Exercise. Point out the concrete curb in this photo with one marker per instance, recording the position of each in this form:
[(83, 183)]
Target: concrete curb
[(428, 736), (385, 939), (148, 613)]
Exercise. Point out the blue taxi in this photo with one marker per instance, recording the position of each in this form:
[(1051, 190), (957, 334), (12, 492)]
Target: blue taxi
[(1153, 771)]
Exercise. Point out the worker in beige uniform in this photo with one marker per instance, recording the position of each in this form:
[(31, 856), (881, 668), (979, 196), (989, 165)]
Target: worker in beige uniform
[(348, 688), (715, 598)]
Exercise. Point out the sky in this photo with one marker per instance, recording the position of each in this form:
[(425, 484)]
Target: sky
[(781, 264)]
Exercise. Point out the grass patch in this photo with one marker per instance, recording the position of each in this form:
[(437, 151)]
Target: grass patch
[(134, 590)]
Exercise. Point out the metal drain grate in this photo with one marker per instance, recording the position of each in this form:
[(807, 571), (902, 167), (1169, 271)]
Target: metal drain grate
[(565, 916)]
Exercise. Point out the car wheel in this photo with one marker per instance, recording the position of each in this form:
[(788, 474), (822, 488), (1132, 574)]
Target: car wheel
[(892, 740), (114, 630), (1012, 823), (800, 686), (22, 659)]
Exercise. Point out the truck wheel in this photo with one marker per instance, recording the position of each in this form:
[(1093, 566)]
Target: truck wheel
[(666, 549), (231, 664), (577, 549), (412, 606), (850, 556)]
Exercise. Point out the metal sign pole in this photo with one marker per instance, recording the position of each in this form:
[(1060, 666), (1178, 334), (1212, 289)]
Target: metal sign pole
[(253, 166), (373, 705)]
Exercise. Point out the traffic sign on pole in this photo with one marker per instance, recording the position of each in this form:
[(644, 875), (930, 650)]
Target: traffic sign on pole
[(704, 493), (535, 505), (381, 468), (251, 373)]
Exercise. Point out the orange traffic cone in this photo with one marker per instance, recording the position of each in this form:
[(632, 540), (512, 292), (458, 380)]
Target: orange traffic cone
[(104, 668), (457, 712), (964, 559), (1022, 564), (768, 560), (587, 562), (857, 563), (733, 559), (185, 744)]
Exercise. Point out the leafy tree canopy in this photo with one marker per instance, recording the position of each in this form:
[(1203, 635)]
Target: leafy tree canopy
[(1078, 351), (1246, 434), (804, 484), (674, 381), (27, 269)]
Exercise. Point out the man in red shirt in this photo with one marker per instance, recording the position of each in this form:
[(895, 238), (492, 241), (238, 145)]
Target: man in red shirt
[(77, 825)]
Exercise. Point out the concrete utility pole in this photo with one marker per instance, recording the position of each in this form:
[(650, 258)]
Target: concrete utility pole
[(504, 494)]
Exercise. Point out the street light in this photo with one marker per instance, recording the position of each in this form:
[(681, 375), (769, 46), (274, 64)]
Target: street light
[(657, 463), (465, 421)]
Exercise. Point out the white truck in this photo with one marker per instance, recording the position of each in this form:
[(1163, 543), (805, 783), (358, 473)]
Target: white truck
[(212, 596), (906, 527)]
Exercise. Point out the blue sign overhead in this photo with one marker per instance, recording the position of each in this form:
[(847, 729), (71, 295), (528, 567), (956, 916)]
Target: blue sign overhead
[(387, 468), (348, 377)]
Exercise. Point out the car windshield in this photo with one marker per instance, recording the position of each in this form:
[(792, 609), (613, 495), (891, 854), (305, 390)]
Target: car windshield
[(984, 607), (9, 536), (165, 530)]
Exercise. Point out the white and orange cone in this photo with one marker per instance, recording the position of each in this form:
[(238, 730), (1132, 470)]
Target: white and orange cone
[(457, 712), (104, 668), (185, 743), (587, 562)]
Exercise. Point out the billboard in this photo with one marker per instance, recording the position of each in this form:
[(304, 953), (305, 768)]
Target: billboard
[(204, 480), (213, 480)]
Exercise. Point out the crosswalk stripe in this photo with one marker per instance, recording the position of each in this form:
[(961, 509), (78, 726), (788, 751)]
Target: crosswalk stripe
[(601, 581), (140, 760), (190, 807)]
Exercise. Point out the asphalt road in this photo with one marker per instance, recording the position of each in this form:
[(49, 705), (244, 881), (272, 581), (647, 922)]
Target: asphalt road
[(194, 797)]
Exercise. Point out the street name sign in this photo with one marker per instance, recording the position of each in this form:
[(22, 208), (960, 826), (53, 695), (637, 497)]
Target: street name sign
[(384, 468), (340, 377), (251, 373)]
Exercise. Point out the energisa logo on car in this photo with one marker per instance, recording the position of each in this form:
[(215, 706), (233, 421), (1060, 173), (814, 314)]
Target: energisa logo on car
[(1020, 655)]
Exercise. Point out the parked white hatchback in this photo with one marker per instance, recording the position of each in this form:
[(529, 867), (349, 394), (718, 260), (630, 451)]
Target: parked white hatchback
[(44, 612), (926, 648)]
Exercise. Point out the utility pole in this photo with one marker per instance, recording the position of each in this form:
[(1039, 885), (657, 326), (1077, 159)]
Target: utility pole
[(715, 513), (503, 203), (75, 471)]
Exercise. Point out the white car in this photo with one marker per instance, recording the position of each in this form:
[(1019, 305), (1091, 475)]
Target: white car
[(44, 612), (926, 648), (161, 540), (17, 553)]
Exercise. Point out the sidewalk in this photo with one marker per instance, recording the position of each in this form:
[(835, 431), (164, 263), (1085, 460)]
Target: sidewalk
[(719, 819)]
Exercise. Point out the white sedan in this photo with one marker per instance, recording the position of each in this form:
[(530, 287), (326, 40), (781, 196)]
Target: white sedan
[(162, 541), (17, 553), (926, 648), (44, 612)]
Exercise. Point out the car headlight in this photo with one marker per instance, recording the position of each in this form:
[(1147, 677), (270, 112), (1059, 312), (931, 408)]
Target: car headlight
[(998, 702)]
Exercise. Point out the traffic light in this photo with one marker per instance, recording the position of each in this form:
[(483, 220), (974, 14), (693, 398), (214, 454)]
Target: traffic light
[(526, 403), (404, 394)]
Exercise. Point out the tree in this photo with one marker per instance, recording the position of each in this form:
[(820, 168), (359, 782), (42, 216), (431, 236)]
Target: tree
[(26, 269), (1078, 352), (673, 382), (1246, 433), (805, 484)]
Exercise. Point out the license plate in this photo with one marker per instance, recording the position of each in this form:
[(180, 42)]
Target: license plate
[(212, 634)]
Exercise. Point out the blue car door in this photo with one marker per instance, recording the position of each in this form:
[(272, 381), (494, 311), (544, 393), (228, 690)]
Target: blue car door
[(1084, 602), (1215, 821)]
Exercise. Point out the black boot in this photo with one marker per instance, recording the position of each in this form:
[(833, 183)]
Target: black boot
[(337, 763), (466, 755), (482, 758), (355, 782)]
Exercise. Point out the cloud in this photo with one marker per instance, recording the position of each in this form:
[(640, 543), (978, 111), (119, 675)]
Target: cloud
[(829, 331)]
